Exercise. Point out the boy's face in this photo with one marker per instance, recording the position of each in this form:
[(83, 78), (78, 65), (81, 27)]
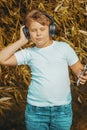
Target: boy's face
[(39, 34)]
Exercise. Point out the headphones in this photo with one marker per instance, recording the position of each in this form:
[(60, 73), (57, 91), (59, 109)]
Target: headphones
[(52, 27)]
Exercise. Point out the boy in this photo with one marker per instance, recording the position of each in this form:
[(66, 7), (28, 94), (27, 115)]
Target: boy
[(49, 96)]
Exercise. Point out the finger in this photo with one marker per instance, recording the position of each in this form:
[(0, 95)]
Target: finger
[(21, 28), (86, 72), (83, 77), (82, 82)]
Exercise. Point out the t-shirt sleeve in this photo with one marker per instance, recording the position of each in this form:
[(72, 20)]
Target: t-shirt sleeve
[(23, 56), (71, 55)]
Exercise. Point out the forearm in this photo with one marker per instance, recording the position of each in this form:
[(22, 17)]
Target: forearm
[(77, 68), (8, 51)]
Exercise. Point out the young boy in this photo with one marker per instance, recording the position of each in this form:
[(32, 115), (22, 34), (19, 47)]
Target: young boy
[(49, 95)]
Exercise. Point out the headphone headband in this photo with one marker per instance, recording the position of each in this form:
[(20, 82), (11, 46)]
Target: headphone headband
[(52, 26), (48, 16)]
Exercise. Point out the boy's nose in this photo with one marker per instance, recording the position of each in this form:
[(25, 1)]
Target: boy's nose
[(38, 32)]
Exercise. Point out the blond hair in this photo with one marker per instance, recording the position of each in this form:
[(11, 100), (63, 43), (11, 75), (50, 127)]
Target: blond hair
[(38, 16)]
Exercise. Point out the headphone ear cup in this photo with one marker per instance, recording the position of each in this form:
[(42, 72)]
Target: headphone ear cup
[(26, 32), (52, 29)]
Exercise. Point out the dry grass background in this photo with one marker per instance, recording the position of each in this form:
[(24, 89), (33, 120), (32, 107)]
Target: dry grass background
[(70, 17)]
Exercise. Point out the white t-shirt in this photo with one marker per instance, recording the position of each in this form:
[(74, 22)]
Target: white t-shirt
[(50, 83)]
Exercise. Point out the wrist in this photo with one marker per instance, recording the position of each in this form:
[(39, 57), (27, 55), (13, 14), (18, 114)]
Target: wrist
[(22, 41)]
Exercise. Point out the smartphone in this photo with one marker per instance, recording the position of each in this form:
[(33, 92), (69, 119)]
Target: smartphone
[(82, 73)]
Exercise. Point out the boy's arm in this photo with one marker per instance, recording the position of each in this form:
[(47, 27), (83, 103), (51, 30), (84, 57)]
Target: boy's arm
[(7, 54), (77, 68)]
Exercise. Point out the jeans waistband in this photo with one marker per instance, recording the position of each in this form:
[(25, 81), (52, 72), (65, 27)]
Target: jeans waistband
[(49, 107)]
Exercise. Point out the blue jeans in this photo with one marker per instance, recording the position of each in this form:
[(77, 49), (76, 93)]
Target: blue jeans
[(48, 118)]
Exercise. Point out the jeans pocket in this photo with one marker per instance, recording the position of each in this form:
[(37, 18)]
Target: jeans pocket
[(27, 108), (68, 110)]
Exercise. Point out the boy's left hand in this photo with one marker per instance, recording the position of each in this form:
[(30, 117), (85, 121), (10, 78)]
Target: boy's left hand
[(83, 79)]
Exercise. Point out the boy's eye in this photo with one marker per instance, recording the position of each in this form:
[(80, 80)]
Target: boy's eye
[(33, 30), (42, 29)]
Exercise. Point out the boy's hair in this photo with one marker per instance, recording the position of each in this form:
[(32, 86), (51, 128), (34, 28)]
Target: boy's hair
[(38, 16)]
